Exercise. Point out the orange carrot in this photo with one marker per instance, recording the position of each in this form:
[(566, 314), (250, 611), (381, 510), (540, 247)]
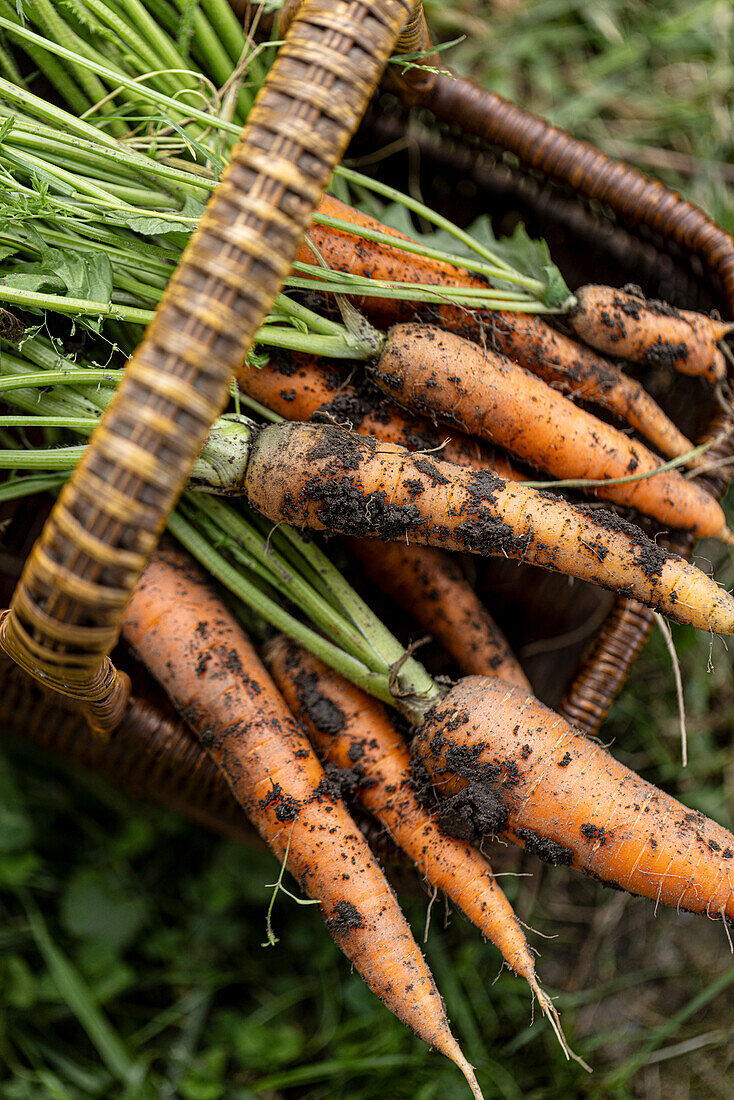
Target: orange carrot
[(305, 387), (353, 731), (430, 585), (195, 648), (524, 338), (490, 396), (625, 323), (576, 371), (328, 479), (509, 763)]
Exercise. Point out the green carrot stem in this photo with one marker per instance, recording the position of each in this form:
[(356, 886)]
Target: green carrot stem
[(59, 33), (417, 689), (277, 616), (209, 49), (18, 487), (8, 65), (73, 423), (117, 77), (41, 108), (227, 527), (59, 303), (160, 43), (142, 56), (62, 401), (158, 270), (490, 271), (424, 211), (334, 347), (471, 297), (58, 76), (35, 166), (600, 483), (60, 378), (226, 26), (65, 458), (315, 322)]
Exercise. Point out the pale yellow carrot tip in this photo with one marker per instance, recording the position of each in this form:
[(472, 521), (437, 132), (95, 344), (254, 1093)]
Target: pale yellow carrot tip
[(471, 1078), (550, 1010), (449, 1047), (727, 536)]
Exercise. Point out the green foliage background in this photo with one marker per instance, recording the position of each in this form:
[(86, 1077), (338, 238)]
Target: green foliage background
[(131, 961)]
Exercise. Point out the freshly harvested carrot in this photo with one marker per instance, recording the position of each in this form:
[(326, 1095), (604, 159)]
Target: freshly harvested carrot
[(524, 338), (576, 371), (303, 387), (487, 394), (430, 585), (516, 766), (627, 324), (194, 647), (353, 731), (328, 479)]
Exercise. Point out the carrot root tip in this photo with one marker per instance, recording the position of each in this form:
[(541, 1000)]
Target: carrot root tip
[(471, 1077), (551, 1012)]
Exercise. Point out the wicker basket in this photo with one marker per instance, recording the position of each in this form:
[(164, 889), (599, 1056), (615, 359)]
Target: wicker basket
[(601, 220)]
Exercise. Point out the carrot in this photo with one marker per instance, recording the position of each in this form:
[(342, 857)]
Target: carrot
[(490, 396), (511, 764), (430, 585), (524, 338), (325, 478), (577, 372), (353, 731), (625, 323), (195, 648), (305, 387)]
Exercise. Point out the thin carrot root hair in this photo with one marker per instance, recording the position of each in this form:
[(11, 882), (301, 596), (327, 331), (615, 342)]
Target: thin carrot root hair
[(550, 1011)]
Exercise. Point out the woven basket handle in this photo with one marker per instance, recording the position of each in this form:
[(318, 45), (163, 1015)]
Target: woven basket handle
[(66, 610)]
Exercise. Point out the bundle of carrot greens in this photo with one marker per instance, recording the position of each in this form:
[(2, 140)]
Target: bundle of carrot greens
[(403, 389)]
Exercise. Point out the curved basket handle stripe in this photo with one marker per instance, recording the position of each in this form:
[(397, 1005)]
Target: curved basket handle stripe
[(65, 613)]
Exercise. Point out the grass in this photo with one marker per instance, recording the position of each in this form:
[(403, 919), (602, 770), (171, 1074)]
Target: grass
[(131, 960)]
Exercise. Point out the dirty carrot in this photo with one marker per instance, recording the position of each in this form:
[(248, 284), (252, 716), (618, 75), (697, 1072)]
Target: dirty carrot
[(508, 763), (524, 338), (354, 732), (488, 395), (325, 478), (305, 387), (194, 647), (429, 584), (625, 323)]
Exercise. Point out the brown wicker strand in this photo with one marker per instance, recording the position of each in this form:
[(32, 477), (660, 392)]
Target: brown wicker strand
[(622, 639), (629, 193), (66, 610), (414, 37)]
